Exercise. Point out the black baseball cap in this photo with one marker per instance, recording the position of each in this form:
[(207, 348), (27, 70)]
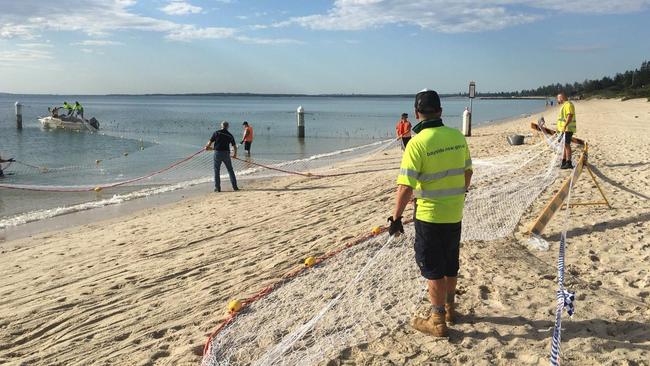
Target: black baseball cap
[(427, 101), (245, 123)]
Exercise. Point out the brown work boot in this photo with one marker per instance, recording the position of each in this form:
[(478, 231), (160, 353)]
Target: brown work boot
[(450, 313), (435, 325)]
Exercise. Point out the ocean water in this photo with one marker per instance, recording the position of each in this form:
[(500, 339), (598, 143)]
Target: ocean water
[(141, 134)]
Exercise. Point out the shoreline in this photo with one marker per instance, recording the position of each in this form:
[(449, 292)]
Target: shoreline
[(129, 206)]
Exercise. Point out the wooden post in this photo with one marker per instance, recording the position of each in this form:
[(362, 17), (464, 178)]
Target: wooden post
[(19, 116), (300, 114)]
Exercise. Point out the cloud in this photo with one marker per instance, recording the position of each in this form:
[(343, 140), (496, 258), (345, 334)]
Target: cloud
[(12, 30), (449, 16), (97, 42), (189, 32), (34, 45), (178, 7), (28, 19), (23, 55), (267, 40)]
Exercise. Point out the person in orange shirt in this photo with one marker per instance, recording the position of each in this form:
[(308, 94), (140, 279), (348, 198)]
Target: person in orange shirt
[(404, 130), (247, 139)]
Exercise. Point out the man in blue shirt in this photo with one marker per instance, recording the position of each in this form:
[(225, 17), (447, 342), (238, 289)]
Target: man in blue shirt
[(221, 140)]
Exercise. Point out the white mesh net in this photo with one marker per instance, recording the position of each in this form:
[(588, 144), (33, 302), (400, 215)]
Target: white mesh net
[(373, 287), (139, 171)]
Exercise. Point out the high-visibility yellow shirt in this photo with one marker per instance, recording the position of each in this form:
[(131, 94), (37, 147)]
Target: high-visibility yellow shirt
[(434, 164), (566, 110)]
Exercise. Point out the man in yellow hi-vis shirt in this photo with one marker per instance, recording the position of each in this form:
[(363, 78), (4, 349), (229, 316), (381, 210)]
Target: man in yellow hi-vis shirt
[(566, 125), (436, 167)]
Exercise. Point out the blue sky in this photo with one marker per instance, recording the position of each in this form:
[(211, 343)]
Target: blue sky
[(342, 46)]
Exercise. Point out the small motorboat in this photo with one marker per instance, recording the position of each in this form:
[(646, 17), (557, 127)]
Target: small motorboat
[(70, 123)]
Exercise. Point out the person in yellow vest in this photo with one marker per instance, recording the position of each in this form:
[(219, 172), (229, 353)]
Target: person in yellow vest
[(69, 108), (79, 109), (566, 125), (437, 169), (247, 139)]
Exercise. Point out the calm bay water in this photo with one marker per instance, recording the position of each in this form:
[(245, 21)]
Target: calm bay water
[(156, 130)]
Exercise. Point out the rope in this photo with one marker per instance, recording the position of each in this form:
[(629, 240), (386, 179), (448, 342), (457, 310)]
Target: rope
[(100, 187), (565, 298), (283, 279), (310, 175), (42, 169)]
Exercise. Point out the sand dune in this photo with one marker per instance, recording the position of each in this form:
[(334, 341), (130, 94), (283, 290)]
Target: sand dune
[(148, 287)]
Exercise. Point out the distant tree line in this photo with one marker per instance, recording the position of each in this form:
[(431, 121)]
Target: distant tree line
[(626, 85)]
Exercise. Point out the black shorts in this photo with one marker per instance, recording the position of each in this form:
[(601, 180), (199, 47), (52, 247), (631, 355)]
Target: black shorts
[(437, 249), (405, 140), (247, 145), (567, 137)]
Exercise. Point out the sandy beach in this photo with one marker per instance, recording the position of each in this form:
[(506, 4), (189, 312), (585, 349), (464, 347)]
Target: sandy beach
[(148, 287)]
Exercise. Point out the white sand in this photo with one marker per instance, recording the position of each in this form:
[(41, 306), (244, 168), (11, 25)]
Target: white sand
[(148, 287)]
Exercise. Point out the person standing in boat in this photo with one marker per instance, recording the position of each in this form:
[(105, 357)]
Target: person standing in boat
[(10, 160), (69, 108), (79, 109)]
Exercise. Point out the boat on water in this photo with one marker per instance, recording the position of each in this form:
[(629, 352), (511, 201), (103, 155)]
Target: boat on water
[(70, 123)]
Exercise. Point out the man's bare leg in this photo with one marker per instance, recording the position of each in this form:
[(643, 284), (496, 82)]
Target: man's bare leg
[(435, 324), (450, 299), (437, 292)]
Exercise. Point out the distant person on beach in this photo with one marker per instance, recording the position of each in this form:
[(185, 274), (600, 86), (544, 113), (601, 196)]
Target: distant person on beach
[(222, 139), (247, 139), (403, 129), (79, 109), (436, 167), (69, 108), (566, 125), (10, 160)]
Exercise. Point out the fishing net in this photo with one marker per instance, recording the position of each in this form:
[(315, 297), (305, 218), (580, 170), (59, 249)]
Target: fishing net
[(374, 286), (126, 169), (148, 171)]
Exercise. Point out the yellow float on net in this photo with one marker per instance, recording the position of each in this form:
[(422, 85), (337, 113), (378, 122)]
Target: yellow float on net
[(310, 261), (234, 306), (126, 154), (97, 162), (309, 174), (97, 189), (376, 230)]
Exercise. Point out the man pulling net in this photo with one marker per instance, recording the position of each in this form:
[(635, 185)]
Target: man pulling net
[(436, 167)]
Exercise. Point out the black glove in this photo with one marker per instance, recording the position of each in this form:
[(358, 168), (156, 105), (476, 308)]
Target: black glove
[(395, 226), (11, 160)]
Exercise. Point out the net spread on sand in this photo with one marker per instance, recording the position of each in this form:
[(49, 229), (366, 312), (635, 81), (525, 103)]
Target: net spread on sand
[(373, 287), (354, 297)]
